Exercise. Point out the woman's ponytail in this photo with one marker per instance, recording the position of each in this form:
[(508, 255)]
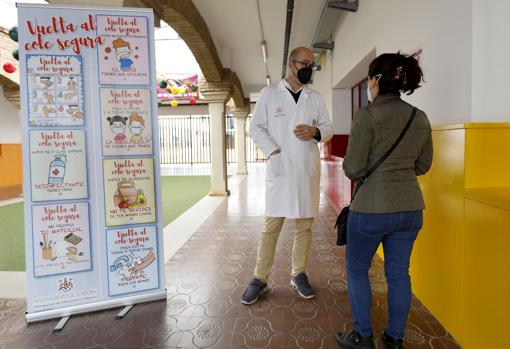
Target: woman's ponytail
[(399, 73)]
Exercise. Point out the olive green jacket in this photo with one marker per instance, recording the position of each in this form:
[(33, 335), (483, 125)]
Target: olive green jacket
[(393, 187)]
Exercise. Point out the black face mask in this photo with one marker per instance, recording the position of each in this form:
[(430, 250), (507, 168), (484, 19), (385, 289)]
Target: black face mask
[(304, 75)]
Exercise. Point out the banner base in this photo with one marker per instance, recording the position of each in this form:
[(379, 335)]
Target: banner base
[(61, 324), (87, 308), (123, 312)]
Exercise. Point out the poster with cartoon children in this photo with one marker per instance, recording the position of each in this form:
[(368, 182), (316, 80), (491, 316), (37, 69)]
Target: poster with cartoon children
[(55, 90), (124, 56), (58, 168), (126, 121), (129, 191), (132, 259), (61, 238)]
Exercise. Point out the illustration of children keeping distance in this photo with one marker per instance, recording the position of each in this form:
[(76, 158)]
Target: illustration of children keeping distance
[(118, 127)]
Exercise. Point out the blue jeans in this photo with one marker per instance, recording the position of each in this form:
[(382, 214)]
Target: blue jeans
[(397, 232)]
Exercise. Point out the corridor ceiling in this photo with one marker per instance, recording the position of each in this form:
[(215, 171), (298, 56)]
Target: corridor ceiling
[(235, 29)]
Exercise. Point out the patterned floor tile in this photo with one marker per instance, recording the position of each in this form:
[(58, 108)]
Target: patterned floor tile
[(206, 278)]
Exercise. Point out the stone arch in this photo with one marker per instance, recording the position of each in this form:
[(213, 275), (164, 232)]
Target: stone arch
[(184, 18), (237, 92)]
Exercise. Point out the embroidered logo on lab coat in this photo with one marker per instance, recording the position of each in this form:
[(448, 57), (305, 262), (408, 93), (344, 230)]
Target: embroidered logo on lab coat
[(279, 112)]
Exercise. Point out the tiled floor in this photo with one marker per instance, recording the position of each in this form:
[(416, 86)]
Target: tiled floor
[(205, 280)]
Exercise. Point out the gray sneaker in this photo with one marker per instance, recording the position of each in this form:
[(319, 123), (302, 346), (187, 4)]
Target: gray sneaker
[(301, 284), (253, 291)]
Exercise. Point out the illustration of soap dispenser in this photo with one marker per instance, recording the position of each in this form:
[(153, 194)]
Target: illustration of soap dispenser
[(57, 170)]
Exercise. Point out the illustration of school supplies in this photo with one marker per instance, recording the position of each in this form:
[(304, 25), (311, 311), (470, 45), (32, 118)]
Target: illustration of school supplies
[(47, 251), (73, 239), (60, 248), (72, 250)]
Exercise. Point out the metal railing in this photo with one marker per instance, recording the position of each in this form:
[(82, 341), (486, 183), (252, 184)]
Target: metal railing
[(230, 139), (186, 140)]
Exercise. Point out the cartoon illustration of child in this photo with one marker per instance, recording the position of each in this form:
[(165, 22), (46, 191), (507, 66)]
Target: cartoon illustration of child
[(136, 126), (123, 52), (118, 127)]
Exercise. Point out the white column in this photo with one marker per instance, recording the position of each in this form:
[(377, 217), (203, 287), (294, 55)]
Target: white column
[(218, 149), (216, 94), (240, 117)]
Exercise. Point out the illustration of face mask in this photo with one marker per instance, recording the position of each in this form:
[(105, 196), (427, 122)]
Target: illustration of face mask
[(136, 130), (118, 129), (123, 52)]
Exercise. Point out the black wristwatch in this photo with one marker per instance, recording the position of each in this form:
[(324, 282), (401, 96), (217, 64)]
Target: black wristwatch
[(317, 135)]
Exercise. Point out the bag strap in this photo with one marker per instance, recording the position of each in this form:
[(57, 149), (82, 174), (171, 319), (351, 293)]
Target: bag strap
[(386, 155)]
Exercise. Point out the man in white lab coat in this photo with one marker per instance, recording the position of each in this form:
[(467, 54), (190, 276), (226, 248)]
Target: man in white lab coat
[(288, 121)]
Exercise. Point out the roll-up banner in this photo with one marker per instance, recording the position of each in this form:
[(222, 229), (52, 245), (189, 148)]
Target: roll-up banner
[(90, 159)]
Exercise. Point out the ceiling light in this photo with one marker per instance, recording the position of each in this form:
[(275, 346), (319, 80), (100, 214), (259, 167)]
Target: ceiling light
[(268, 80), (264, 51)]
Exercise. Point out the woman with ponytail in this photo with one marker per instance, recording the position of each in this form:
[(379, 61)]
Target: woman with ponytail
[(387, 207)]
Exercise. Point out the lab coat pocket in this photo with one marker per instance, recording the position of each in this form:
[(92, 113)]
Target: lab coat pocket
[(276, 166), (311, 116)]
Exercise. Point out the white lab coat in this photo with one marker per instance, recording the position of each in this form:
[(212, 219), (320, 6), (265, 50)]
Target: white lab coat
[(293, 176)]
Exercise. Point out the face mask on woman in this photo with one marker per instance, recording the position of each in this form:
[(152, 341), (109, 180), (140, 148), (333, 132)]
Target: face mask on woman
[(369, 94)]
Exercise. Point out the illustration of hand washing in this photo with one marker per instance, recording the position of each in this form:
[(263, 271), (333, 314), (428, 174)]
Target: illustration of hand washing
[(66, 248), (128, 266), (127, 196), (57, 169)]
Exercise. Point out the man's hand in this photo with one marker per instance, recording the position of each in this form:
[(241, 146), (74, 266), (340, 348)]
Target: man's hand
[(305, 132)]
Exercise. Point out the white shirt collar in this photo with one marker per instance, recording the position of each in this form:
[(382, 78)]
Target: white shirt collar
[(286, 84)]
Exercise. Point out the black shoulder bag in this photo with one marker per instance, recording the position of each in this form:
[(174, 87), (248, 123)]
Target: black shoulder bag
[(341, 221)]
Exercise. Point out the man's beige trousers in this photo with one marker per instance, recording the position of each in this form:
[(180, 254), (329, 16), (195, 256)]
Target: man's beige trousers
[(267, 246)]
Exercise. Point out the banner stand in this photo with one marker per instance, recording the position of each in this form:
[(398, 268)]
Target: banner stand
[(61, 324), (91, 169), (92, 307)]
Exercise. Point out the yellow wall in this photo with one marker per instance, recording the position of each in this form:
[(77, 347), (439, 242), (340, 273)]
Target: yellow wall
[(11, 175), (486, 288), (460, 266), (489, 150), (436, 260)]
